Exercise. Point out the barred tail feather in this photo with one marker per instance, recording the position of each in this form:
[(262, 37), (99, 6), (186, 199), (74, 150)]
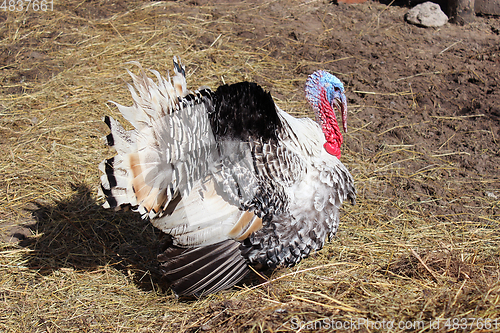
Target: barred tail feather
[(167, 151)]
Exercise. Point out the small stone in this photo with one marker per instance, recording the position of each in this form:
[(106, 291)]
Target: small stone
[(427, 14), (491, 195), (281, 310)]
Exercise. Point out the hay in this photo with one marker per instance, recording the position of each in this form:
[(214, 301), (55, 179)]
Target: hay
[(402, 253)]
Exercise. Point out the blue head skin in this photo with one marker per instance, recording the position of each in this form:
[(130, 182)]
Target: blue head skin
[(334, 91)]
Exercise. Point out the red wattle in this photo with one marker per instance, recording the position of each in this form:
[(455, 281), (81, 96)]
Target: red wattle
[(330, 126), (332, 149)]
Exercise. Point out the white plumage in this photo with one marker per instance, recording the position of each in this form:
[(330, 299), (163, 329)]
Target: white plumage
[(232, 179)]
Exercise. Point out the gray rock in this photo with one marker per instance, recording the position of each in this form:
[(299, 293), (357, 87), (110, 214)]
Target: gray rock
[(427, 14)]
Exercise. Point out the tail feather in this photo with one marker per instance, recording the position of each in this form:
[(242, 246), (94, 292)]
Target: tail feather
[(167, 151), (179, 79)]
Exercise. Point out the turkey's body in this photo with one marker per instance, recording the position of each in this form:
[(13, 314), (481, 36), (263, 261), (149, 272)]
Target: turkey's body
[(232, 179)]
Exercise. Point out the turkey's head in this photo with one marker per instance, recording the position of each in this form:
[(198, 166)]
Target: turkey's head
[(325, 93)]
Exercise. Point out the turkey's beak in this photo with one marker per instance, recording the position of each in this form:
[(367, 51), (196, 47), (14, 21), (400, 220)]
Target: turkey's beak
[(341, 106)]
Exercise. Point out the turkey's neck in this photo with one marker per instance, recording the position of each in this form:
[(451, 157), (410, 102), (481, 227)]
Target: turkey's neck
[(329, 125)]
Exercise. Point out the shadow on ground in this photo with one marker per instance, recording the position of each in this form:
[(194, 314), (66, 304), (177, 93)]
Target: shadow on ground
[(77, 233)]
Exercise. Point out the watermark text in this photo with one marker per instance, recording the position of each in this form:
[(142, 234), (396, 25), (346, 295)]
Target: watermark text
[(409, 325)]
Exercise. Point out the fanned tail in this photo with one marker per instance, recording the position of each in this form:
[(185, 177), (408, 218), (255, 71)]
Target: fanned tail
[(167, 151)]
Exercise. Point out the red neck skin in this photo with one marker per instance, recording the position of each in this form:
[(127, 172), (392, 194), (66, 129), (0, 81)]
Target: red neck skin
[(329, 126)]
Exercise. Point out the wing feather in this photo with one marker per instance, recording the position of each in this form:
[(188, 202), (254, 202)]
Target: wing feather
[(204, 269)]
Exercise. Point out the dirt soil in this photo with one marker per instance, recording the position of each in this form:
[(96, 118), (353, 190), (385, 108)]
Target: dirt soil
[(423, 143)]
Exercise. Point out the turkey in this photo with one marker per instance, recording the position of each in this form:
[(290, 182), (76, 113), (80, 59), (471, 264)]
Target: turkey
[(232, 180)]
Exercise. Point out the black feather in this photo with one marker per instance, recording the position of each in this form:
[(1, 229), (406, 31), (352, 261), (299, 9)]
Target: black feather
[(206, 269), (109, 138), (109, 170), (109, 197), (110, 173), (244, 111)]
